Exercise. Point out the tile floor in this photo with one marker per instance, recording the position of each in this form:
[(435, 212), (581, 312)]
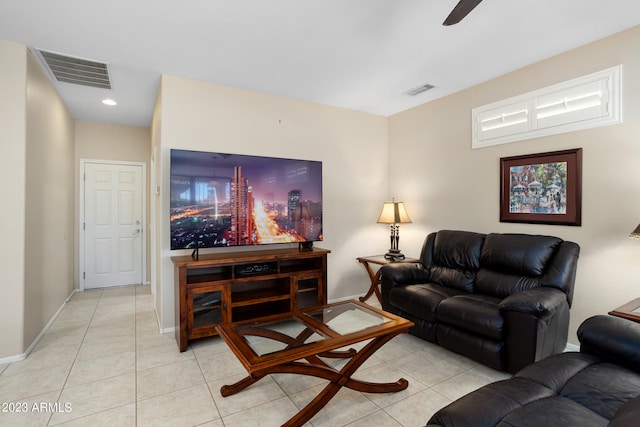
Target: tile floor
[(103, 362)]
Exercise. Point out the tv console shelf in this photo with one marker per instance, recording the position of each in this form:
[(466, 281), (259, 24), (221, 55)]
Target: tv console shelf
[(228, 287)]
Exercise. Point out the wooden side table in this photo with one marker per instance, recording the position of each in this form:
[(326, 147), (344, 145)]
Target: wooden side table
[(630, 310), (375, 277)]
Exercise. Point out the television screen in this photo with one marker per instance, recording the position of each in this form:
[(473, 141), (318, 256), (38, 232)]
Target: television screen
[(222, 199)]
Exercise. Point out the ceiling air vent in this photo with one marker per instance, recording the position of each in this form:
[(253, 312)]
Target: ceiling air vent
[(77, 71), (417, 90)]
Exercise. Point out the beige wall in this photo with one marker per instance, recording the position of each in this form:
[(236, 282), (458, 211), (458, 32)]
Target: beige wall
[(422, 156), (446, 184), (351, 145), (104, 141), (13, 110), (37, 178), (49, 202), (155, 204)]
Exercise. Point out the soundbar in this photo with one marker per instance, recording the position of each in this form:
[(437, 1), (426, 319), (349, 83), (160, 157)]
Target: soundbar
[(246, 269)]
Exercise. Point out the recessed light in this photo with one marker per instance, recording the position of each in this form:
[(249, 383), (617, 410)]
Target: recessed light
[(109, 102)]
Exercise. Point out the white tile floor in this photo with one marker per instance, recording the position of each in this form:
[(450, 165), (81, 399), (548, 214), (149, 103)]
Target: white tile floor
[(103, 362)]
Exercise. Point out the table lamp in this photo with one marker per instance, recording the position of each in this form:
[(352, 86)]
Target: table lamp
[(394, 213)]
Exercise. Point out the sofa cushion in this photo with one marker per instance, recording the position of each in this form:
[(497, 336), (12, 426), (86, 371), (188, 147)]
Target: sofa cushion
[(502, 285), (421, 299), (473, 312), (564, 366), (603, 388), (518, 254), (591, 393), (490, 404), (513, 263), (455, 259), (587, 380), (553, 411)]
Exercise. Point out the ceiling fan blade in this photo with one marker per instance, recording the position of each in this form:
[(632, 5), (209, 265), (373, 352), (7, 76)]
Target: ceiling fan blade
[(461, 10)]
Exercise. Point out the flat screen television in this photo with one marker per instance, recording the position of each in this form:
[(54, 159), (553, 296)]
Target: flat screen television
[(220, 199)]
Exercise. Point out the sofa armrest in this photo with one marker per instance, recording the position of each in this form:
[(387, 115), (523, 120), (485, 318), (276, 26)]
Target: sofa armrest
[(404, 273), (611, 338), (539, 302), (536, 325), (399, 274)]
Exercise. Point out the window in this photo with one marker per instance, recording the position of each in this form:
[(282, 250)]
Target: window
[(582, 103)]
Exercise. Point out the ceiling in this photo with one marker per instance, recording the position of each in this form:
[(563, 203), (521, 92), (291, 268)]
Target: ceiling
[(357, 54)]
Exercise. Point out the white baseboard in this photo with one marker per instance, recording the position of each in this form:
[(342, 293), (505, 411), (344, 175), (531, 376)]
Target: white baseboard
[(332, 300), (572, 347), (19, 357), (372, 301)]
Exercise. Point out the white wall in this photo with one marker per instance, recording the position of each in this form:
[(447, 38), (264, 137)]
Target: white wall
[(351, 145), (446, 184)]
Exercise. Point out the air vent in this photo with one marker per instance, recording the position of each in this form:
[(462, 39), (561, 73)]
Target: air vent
[(417, 90), (77, 71)]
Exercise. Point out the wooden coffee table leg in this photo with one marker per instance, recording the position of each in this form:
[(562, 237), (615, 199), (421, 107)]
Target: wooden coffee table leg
[(343, 378), (338, 379), (228, 390)]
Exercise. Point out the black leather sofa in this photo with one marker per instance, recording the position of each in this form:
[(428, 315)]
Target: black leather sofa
[(598, 386), (500, 299)]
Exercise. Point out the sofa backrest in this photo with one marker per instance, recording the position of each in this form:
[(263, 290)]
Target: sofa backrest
[(453, 258), (500, 264), (513, 263)]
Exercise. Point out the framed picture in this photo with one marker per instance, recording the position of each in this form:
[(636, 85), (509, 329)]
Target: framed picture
[(543, 188)]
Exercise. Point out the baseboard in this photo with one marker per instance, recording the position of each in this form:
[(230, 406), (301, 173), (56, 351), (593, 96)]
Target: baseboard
[(332, 300), (372, 301), (11, 359), (167, 330), (572, 347), (19, 357)]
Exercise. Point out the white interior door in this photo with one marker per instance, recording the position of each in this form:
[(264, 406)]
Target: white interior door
[(112, 225)]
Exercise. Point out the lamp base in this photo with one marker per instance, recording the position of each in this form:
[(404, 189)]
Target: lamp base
[(394, 255)]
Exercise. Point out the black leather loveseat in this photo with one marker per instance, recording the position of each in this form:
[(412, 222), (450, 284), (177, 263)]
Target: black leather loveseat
[(500, 299), (598, 386)]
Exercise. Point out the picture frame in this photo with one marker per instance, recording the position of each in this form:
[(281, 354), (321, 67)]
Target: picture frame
[(543, 188)]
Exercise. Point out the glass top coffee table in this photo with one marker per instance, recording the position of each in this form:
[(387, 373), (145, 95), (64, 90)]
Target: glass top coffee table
[(296, 342)]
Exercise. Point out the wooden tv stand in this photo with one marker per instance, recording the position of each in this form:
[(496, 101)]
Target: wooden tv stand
[(229, 287)]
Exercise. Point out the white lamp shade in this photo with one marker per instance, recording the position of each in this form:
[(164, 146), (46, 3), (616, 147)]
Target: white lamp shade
[(393, 213)]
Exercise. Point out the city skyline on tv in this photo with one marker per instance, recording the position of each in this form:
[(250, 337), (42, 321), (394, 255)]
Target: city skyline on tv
[(232, 200)]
